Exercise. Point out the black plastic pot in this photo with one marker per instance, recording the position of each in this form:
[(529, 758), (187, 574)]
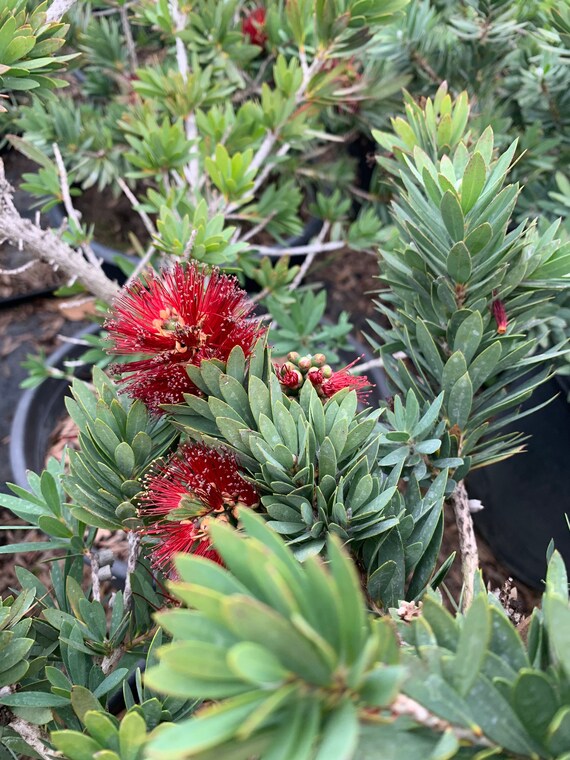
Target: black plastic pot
[(526, 498), (38, 412)]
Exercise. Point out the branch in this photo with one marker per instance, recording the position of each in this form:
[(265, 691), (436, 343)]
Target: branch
[(404, 706), (134, 547), (264, 150), (58, 9), (267, 250), (192, 171), (68, 203), (306, 265), (131, 49), (32, 736), (467, 543), (45, 245), (135, 203)]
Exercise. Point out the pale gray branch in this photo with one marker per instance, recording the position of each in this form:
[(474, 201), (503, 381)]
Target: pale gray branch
[(45, 245), (32, 735), (192, 171), (267, 250), (68, 203), (58, 9), (306, 265), (467, 541)]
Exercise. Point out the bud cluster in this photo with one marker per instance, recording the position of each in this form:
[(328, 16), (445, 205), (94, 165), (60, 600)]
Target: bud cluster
[(293, 373)]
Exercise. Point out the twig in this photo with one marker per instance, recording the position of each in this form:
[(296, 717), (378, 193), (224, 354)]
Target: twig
[(467, 543), (140, 266), (133, 540), (95, 582), (267, 250), (306, 265), (58, 9), (192, 171), (254, 230), (18, 270), (127, 31), (45, 245), (404, 706), (110, 661), (32, 735), (68, 203), (146, 220), (189, 247)]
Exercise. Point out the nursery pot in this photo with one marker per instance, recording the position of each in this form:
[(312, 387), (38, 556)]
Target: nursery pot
[(526, 498), (38, 412)]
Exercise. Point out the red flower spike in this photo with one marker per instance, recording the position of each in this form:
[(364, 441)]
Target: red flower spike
[(253, 25), (195, 485), (343, 379), (500, 315), (176, 318)]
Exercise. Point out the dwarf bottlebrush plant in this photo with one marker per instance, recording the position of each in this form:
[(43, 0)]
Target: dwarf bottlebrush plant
[(310, 625)]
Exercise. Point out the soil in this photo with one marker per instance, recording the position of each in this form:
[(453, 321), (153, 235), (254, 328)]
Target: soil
[(113, 219)]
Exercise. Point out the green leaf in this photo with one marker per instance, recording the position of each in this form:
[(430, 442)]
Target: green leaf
[(535, 702), (256, 664), (459, 264), (452, 216), (559, 731), (478, 238), (483, 365), (132, 736), (473, 181), (468, 336), (215, 725), (472, 645), (339, 736), (74, 745), (460, 402), (33, 699)]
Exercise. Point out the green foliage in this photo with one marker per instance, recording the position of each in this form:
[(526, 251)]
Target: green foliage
[(293, 660), (459, 266), (119, 440), (28, 45), (206, 239), (475, 670), (290, 672), (329, 468), (298, 325)]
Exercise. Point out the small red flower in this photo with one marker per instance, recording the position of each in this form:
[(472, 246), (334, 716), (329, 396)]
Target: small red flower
[(500, 315), (342, 379), (253, 26), (195, 485), (176, 318)]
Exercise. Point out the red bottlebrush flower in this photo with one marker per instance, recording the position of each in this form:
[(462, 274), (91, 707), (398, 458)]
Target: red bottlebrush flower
[(343, 379), (195, 485), (500, 315), (176, 318), (289, 376), (253, 25)]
